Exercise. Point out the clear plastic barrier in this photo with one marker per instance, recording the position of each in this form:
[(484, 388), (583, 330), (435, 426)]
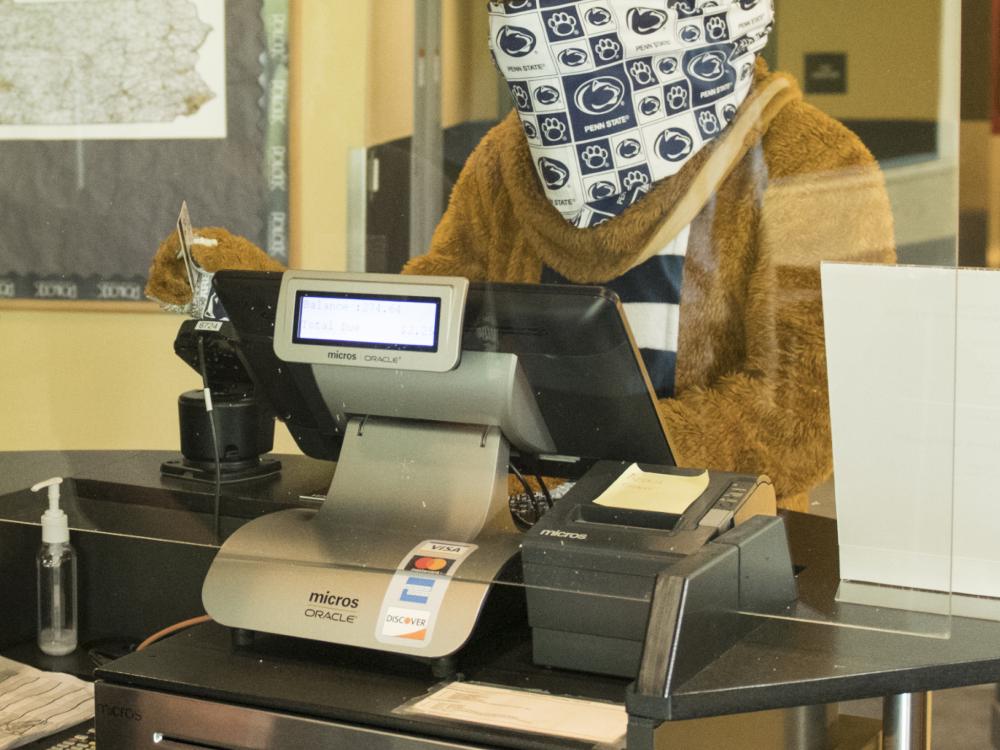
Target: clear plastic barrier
[(770, 193), (846, 210)]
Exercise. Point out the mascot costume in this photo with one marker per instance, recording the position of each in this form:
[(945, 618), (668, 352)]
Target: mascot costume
[(651, 151)]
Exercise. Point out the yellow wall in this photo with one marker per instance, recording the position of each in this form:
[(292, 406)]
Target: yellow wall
[(892, 60), (993, 255), (104, 380), (468, 78)]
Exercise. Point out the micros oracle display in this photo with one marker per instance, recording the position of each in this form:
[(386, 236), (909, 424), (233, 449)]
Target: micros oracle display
[(367, 320), (572, 342), (370, 320)]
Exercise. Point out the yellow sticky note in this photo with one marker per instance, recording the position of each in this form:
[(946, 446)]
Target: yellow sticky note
[(636, 489)]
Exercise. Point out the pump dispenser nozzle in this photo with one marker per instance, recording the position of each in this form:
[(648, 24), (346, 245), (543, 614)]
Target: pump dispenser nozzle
[(55, 524)]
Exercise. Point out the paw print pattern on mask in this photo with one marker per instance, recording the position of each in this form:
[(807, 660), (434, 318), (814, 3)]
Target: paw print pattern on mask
[(595, 157), (562, 24), (677, 97), (708, 123), (641, 73), (659, 80), (635, 179), (715, 29), (607, 50), (553, 130), (521, 98)]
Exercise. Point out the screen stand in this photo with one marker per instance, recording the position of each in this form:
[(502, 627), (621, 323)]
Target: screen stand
[(439, 480), (356, 572)]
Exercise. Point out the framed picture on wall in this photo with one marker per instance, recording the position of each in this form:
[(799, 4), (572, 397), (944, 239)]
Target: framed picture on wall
[(112, 115)]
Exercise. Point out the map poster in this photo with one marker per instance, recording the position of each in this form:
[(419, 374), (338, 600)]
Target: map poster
[(112, 113)]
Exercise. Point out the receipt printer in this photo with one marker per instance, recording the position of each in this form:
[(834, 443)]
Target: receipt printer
[(590, 567)]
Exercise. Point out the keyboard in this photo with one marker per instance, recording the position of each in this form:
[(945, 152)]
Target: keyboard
[(80, 737)]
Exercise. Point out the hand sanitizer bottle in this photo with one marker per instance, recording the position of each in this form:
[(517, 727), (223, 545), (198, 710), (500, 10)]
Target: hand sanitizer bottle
[(56, 566)]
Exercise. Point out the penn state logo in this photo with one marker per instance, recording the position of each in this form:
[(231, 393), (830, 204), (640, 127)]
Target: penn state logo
[(748, 4), (554, 173), (530, 130), (599, 96), (667, 66), (690, 34), (685, 7), (598, 17), (729, 112), (708, 66), (645, 20), (520, 4), (650, 105), (547, 95), (516, 41), (674, 145), (600, 190), (629, 148), (573, 57)]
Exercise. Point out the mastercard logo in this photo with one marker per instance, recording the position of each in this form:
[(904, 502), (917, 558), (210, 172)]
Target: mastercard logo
[(430, 563)]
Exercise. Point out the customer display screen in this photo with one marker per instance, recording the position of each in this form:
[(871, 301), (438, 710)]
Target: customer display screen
[(372, 321)]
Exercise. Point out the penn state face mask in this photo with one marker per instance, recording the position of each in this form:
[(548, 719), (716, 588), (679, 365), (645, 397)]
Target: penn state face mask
[(617, 94)]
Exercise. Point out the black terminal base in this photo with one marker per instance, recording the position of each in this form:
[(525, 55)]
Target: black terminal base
[(229, 473)]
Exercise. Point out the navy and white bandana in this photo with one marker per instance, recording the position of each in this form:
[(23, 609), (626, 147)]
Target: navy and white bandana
[(617, 94)]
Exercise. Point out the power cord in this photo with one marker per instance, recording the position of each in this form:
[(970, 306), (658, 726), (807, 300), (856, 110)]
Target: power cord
[(545, 491), (172, 629), (527, 508), (217, 500)]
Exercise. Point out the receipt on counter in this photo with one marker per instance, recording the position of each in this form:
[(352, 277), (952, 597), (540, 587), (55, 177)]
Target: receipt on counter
[(524, 711)]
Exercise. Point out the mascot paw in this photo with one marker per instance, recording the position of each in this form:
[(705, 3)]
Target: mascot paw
[(213, 249)]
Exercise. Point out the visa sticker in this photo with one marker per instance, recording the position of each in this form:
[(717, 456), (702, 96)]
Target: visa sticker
[(417, 591)]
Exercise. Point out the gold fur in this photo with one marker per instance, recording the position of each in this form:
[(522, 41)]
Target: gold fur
[(167, 282), (751, 391)]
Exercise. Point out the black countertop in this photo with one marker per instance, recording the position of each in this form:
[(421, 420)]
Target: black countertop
[(780, 663), (123, 493)]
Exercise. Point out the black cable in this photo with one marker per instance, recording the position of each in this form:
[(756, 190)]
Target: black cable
[(532, 498), (545, 491), (217, 501)]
